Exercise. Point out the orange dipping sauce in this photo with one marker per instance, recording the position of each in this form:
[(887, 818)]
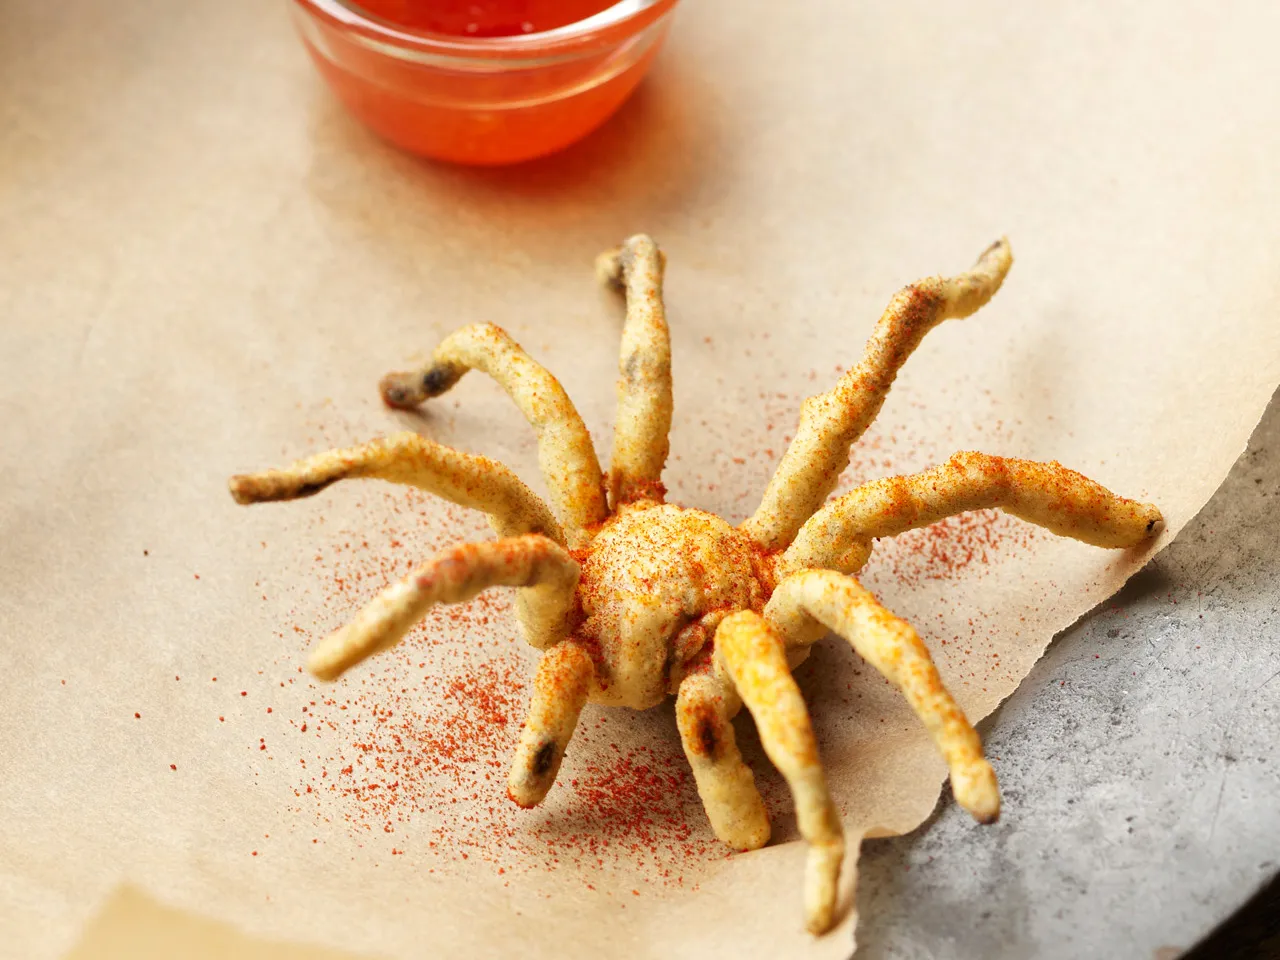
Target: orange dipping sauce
[(485, 81), (484, 18)]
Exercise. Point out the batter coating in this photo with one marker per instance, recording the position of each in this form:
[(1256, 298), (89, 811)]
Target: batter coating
[(633, 599)]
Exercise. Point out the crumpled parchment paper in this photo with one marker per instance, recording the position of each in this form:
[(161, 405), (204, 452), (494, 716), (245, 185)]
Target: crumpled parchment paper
[(207, 265)]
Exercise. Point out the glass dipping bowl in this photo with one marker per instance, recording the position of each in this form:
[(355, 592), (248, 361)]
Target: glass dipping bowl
[(483, 100)]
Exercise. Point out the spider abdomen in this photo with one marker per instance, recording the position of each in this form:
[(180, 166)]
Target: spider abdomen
[(655, 581)]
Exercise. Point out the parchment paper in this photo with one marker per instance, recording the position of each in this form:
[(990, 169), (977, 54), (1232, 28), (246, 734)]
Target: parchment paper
[(206, 266)]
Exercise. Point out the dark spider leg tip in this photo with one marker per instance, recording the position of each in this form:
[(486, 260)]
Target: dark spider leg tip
[(544, 760), (529, 790), (993, 246), (405, 390), (248, 489), (402, 391)]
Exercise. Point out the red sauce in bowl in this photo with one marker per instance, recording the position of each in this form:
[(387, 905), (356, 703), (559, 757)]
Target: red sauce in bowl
[(484, 18), (483, 81)]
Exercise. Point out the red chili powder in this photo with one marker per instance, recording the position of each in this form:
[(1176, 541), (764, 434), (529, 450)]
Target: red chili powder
[(416, 742), (945, 549)]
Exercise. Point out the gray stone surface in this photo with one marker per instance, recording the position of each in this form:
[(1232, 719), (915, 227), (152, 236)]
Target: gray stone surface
[(1140, 765)]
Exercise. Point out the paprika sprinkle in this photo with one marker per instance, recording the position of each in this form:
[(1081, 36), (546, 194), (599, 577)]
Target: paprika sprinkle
[(632, 599)]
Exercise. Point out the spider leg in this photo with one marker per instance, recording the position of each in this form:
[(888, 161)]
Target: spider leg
[(807, 604), (831, 422), (463, 478), (640, 433), (1047, 494), (565, 453), (560, 690), (750, 654), (705, 705), (457, 574)]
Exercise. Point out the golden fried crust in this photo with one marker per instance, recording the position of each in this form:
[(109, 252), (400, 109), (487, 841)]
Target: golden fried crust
[(704, 707), (750, 654), (672, 600), (455, 576), (559, 692), (565, 453), (652, 576), (1067, 503), (807, 604), (643, 422), (831, 422), (465, 479)]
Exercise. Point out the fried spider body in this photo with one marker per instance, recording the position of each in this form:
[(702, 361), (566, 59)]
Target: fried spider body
[(633, 599)]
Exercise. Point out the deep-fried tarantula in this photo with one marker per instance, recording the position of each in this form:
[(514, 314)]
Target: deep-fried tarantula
[(633, 599)]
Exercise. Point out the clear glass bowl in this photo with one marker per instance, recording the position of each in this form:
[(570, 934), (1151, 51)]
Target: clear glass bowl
[(483, 100)]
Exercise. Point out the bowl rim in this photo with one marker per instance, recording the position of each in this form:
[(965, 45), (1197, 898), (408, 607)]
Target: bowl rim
[(351, 16)]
